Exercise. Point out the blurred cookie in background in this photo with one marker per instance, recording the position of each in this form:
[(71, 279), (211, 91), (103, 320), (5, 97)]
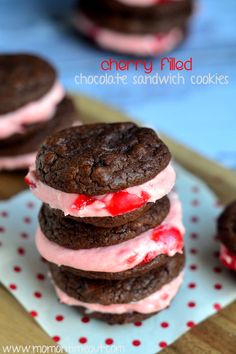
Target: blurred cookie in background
[(32, 106), (227, 235), (137, 27)]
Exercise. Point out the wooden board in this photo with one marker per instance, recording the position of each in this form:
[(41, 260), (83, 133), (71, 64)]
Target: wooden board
[(216, 335)]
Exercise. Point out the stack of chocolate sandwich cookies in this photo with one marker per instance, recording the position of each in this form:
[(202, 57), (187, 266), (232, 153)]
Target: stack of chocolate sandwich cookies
[(137, 27), (110, 227), (32, 106)]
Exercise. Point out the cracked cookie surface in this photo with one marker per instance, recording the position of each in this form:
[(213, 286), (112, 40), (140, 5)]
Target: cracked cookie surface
[(101, 158)]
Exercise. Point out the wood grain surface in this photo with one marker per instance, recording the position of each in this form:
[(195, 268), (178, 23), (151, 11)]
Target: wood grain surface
[(216, 335)]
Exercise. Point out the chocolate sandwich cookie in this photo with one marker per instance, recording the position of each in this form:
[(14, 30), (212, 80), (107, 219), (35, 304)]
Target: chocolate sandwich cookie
[(108, 292), (19, 144), (72, 234), (101, 158), (129, 258), (121, 17), (130, 300), (25, 78), (227, 227), (138, 29), (102, 174)]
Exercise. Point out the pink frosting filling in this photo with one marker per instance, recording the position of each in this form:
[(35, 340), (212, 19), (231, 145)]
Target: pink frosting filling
[(166, 238), (99, 206), (17, 162), (227, 258), (144, 3), (153, 303), (33, 112), (145, 44)]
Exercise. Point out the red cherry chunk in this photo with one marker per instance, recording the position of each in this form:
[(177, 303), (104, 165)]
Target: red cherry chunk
[(124, 202), (82, 201), (30, 183), (166, 234), (148, 258), (132, 259)]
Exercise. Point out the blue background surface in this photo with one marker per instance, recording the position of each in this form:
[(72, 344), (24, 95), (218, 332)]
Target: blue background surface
[(203, 117)]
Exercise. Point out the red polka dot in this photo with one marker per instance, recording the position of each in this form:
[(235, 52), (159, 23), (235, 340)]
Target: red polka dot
[(30, 205), (136, 342), (194, 219), (13, 286), (193, 267), (59, 318), (194, 235), (85, 319), (164, 324), (216, 254), (24, 235), (17, 269), (192, 285), (217, 269), (190, 324), (2, 229), (4, 214), (21, 251), (191, 304), (34, 313), (138, 324), (218, 286), (217, 307), (37, 294), (193, 251), (27, 220), (109, 341), (195, 202), (162, 344), (56, 338), (40, 276), (83, 340)]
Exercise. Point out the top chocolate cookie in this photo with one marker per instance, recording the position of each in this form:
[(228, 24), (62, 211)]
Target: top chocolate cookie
[(101, 158), (23, 78)]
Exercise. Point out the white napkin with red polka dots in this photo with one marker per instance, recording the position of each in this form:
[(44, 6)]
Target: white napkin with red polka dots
[(207, 286)]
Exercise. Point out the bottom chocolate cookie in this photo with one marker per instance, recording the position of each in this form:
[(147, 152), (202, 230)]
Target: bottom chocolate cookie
[(108, 292), (121, 301)]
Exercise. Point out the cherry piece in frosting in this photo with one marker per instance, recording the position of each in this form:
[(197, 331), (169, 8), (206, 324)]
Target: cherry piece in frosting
[(227, 258), (30, 183), (169, 235), (124, 202), (82, 201), (149, 257), (120, 202)]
